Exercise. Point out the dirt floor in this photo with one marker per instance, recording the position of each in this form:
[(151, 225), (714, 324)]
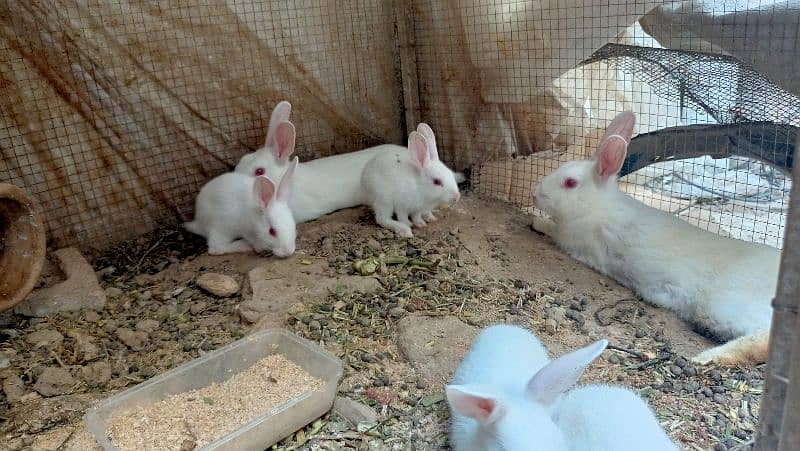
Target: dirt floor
[(360, 292)]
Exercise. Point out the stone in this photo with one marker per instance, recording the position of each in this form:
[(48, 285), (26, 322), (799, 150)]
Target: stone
[(14, 388), (45, 337), (97, 374), (91, 316), (113, 292), (434, 345), (354, 411), (84, 346), (80, 290), (54, 381), (219, 285), (550, 326), (147, 325), (5, 362), (135, 340), (275, 288)]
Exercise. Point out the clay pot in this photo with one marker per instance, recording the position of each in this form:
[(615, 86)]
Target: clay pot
[(22, 245)]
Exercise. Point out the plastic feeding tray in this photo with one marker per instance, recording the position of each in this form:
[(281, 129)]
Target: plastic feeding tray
[(266, 428)]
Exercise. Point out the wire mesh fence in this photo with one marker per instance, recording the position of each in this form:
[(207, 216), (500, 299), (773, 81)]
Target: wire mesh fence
[(114, 113)]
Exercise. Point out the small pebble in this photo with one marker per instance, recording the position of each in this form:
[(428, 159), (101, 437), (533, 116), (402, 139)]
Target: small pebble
[(715, 375), (690, 371), (719, 398), (707, 392), (681, 362), (5, 362), (113, 292), (397, 312), (91, 316), (718, 389), (368, 358), (315, 325), (640, 333), (691, 386), (676, 370), (614, 359), (550, 326)]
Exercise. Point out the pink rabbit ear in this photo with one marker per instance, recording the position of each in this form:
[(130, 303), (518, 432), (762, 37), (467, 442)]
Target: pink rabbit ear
[(472, 402), (610, 156), (280, 114), (613, 147), (284, 140), (622, 125), (427, 132), (418, 147), (264, 191)]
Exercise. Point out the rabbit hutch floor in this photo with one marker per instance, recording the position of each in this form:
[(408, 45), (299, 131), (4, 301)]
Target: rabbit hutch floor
[(399, 313)]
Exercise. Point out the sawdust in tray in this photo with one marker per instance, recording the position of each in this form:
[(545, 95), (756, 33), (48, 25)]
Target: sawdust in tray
[(198, 417)]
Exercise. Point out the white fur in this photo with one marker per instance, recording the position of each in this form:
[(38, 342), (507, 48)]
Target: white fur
[(720, 284), (507, 369), (235, 212), (320, 186), (403, 181), (507, 395), (603, 417)]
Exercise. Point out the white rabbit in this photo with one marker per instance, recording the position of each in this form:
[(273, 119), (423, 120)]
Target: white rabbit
[(320, 186), (600, 417), (240, 213), (410, 183), (503, 393), (720, 284), (508, 395)]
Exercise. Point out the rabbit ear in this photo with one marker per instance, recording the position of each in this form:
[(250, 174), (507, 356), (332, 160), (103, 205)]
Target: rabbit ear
[(611, 152), (427, 132), (418, 147), (474, 403), (284, 140), (610, 156), (562, 373), (280, 114), (286, 181), (621, 125), (264, 191)]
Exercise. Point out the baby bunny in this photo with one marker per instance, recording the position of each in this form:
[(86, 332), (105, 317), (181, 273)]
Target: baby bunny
[(507, 395), (720, 284), (503, 393), (240, 213), (602, 417), (410, 183), (320, 186)]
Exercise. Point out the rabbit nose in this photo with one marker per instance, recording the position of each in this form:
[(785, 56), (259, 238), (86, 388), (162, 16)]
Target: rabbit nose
[(457, 196)]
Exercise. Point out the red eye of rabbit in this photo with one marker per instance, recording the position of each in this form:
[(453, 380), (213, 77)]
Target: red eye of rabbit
[(437, 182), (570, 183), (272, 231), (259, 172)]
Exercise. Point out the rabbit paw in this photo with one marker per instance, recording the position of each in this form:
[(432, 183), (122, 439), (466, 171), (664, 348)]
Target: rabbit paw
[(543, 225), (230, 248), (418, 221), (704, 358), (404, 231), (428, 216)]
